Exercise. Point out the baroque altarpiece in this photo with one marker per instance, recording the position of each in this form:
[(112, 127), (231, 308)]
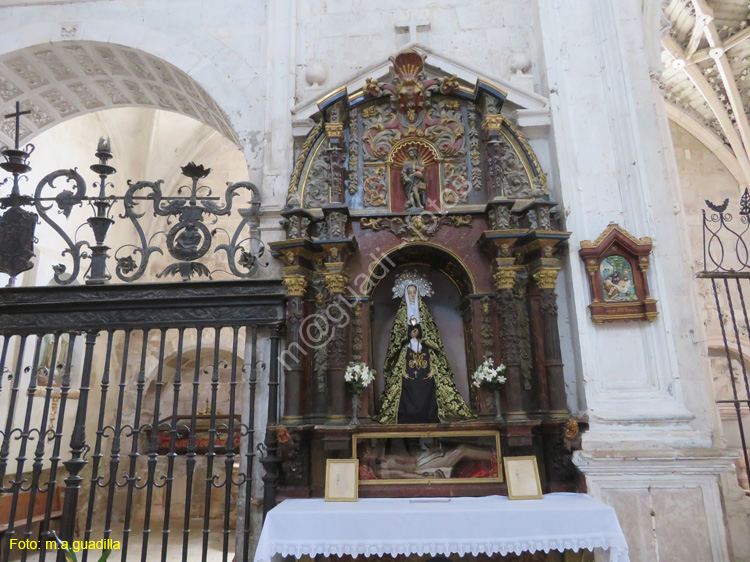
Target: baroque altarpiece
[(421, 172)]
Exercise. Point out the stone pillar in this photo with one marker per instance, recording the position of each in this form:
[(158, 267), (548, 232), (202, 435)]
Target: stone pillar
[(545, 279), (651, 450)]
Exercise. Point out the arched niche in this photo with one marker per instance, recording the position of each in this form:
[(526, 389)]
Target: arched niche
[(427, 254), (451, 283)]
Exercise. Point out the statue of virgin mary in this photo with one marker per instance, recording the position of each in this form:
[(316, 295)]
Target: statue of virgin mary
[(419, 385)]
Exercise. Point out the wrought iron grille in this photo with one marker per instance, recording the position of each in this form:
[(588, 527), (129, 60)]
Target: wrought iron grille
[(128, 413), (187, 216), (726, 263)]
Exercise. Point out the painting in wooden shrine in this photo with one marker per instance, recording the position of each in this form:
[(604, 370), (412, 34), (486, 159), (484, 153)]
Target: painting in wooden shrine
[(419, 385), (616, 263)]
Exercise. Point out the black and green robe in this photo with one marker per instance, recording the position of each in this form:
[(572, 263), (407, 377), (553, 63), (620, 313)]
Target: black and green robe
[(450, 405)]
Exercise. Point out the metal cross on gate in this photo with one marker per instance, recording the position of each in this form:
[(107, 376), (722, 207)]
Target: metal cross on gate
[(17, 116)]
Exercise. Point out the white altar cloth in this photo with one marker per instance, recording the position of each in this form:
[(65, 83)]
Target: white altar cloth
[(493, 525)]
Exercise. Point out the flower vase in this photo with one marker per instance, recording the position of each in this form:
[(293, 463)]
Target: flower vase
[(499, 416), (355, 408)]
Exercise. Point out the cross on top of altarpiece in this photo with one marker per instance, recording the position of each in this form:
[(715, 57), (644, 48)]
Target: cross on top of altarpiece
[(412, 26), (17, 116)]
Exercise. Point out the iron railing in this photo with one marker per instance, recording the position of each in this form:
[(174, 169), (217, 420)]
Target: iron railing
[(128, 410), (162, 381), (726, 263)]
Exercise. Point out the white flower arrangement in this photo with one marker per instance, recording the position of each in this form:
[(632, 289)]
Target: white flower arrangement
[(358, 376), (488, 375)]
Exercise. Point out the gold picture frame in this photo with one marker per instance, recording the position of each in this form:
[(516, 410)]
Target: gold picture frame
[(492, 438), (522, 476), (342, 476)]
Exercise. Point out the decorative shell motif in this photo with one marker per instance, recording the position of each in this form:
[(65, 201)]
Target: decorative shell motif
[(403, 280)]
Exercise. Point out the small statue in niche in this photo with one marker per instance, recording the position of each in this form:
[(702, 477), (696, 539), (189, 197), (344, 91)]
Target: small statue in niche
[(413, 180), (419, 385)]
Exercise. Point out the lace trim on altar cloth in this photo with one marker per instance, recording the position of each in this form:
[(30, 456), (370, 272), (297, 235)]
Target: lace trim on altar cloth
[(617, 552)]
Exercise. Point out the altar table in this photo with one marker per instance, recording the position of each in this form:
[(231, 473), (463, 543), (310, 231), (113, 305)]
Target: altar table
[(492, 525)]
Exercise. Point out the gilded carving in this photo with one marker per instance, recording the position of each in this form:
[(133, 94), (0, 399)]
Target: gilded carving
[(293, 196), (295, 285), (409, 91), (317, 183), (500, 218), (296, 226), (374, 186), (476, 160), (505, 278), (416, 227), (486, 330), (357, 332), (492, 122), (336, 282), (353, 152), (456, 188), (539, 183), (336, 222), (509, 333), (543, 215), (524, 342), (334, 130), (335, 157), (571, 429), (319, 332), (514, 181), (380, 132), (614, 226), (546, 278), (445, 130)]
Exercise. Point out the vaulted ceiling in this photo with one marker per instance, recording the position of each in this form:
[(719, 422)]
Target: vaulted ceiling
[(59, 81), (706, 55)]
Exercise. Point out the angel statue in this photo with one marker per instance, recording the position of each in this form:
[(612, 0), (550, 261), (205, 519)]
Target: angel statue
[(419, 386)]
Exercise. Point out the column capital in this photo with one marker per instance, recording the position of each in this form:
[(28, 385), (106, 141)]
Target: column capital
[(546, 277), (334, 130), (493, 122), (505, 276), (295, 285), (336, 281)]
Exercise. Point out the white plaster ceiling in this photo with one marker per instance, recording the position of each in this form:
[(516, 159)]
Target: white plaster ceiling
[(706, 56), (62, 80)]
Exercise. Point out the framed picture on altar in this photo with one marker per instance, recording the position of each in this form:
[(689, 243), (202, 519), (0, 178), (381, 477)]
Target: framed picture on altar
[(522, 476), (428, 457), (342, 480)]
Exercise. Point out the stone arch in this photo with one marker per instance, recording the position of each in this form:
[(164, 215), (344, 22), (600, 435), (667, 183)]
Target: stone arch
[(225, 72), (63, 80)]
